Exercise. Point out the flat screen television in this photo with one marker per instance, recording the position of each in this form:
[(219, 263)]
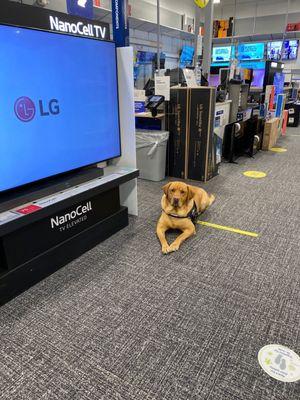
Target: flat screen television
[(222, 53), (251, 51), (258, 68), (59, 104), (274, 50), (289, 50)]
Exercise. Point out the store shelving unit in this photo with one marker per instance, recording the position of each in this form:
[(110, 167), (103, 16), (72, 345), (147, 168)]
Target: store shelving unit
[(258, 37), (104, 14)]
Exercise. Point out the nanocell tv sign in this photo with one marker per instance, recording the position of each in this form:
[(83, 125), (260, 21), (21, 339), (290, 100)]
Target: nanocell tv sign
[(35, 17), (77, 28)]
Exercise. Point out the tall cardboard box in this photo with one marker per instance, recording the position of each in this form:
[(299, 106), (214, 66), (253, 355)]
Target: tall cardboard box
[(271, 133), (177, 125), (190, 121)]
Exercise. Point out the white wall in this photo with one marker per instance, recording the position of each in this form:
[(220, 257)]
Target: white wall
[(247, 8)]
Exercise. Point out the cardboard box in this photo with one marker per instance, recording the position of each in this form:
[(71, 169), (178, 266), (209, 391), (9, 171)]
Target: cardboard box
[(176, 123), (190, 121), (271, 132)]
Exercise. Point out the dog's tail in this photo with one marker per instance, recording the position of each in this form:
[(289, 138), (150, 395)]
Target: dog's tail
[(211, 199)]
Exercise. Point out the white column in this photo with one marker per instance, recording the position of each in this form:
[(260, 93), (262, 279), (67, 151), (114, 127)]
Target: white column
[(207, 40), (128, 191)]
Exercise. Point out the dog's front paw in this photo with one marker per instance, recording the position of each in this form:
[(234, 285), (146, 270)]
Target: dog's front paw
[(173, 247), (165, 249)]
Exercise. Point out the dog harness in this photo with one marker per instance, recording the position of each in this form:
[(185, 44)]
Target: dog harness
[(192, 215)]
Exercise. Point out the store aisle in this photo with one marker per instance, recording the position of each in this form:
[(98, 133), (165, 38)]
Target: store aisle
[(125, 322)]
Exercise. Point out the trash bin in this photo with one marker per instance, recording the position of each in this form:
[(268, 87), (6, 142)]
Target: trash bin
[(151, 152)]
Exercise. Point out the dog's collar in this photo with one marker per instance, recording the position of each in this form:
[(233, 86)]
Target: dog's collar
[(193, 214)]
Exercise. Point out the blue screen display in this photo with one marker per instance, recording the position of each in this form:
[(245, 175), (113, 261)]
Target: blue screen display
[(59, 104), (251, 51), (186, 57), (223, 53), (279, 84)]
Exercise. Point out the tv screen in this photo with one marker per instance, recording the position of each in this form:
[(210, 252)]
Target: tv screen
[(186, 57), (258, 71), (221, 54), (290, 50), (59, 104), (251, 51), (274, 50)]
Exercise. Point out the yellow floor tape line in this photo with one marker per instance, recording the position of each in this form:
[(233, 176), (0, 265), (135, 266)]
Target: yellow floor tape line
[(278, 149), (228, 228)]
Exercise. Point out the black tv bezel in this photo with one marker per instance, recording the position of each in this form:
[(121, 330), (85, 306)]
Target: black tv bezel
[(74, 170)]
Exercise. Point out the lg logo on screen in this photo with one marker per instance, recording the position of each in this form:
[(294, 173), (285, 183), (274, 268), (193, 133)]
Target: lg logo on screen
[(25, 108)]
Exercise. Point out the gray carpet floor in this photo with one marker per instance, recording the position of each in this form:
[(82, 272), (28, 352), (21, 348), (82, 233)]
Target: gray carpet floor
[(124, 322)]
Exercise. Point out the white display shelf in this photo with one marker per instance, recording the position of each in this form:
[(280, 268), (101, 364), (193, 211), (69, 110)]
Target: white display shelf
[(104, 15), (257, 37)]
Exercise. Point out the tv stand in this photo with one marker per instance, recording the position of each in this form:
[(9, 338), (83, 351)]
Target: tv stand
[(38, 238), (28, 193)]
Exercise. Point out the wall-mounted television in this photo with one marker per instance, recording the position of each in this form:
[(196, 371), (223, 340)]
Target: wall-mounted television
[(274, 50), (59, 104), (222, 53), (251, 51), (289, 50)]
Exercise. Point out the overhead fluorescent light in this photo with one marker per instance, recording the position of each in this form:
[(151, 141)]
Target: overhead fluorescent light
[(217, 1)]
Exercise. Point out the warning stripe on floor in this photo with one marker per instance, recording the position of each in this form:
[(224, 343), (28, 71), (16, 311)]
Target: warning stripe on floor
[(228, 229)]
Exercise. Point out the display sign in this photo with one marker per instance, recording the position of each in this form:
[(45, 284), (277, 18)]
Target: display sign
[(120, 22), (82, 8), (39, 18), (279, 105), (251, 51), (190, 77), (162, 86), (66, 115)]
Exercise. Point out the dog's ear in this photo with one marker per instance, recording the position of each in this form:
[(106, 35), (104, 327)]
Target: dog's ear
[(166, 188), (191, 192)]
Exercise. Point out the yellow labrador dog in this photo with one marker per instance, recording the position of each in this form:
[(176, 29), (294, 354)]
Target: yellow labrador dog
[(181, 205)]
